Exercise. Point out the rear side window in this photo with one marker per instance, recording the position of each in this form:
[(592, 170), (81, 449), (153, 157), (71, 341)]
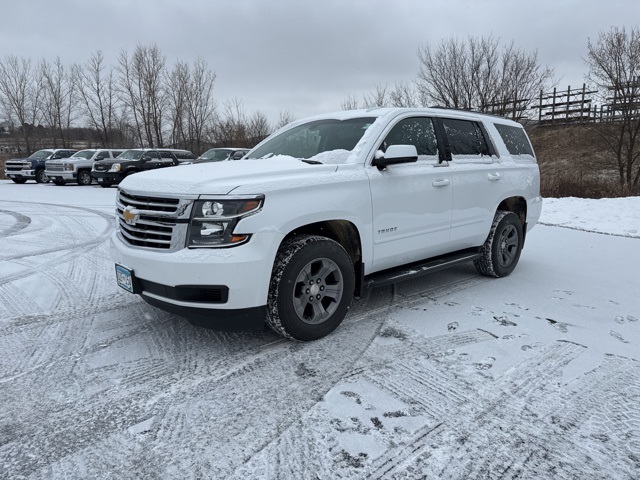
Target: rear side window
[(515, 139), (465, 137)]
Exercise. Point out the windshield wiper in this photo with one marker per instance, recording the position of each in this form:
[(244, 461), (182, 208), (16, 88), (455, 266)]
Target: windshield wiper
[(311, 162)]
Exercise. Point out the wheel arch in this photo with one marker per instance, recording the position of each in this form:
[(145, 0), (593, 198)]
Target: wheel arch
[(517, 205), (344, 232)]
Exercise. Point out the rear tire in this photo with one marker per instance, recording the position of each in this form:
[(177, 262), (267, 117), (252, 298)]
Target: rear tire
[(311, 288), (501, 250)]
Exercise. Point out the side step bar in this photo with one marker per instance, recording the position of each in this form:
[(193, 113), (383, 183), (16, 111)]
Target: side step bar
[(414, 270)]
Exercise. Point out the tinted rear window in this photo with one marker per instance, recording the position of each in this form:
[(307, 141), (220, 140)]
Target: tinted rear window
[(515, 139), (465, 137)]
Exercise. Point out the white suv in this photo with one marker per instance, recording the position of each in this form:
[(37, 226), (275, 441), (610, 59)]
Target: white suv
[(323, 209), (77, 168)]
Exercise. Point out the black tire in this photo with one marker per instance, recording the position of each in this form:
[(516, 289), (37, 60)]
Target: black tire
[(41, 177), (501, 250), (19, 180), (105, 184), (58, 182), (84, 177), (311, 288)]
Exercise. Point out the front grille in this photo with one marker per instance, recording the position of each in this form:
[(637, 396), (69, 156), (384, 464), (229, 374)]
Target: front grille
[(13, 166), (98, 167), (154, 222), (55, 167)]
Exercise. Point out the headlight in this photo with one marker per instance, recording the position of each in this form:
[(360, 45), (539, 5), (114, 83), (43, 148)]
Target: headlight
[(213, 221), (115, 167), (68, 166)]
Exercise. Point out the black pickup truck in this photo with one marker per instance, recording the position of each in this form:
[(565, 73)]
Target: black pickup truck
[(112, 171)]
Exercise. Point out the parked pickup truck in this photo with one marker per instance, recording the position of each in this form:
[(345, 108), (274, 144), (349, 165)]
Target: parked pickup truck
[(77, 168), (324, 209), (110, 172), (33, 167)]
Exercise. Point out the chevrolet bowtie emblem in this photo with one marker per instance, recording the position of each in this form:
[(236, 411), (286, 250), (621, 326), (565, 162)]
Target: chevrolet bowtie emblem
[(131, 215)]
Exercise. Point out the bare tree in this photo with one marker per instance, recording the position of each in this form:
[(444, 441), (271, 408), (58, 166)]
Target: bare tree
[(20, 95), (350, 103), (142, 88), (257, 129), (96, 87), (614, 67), (285, 118), (59, 100), (477, 74), (201, 105), (177, 87)]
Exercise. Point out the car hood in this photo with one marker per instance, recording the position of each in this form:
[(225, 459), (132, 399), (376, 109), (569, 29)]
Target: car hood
[(222, 178)]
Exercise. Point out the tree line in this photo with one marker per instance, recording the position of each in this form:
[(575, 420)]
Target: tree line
[(141, 101)]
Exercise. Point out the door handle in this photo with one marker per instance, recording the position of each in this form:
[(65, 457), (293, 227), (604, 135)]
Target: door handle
[(494, 177), (441, 183)]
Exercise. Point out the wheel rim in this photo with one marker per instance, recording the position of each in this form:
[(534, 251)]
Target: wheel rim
[(317, 291), (42, 178), (84, 178), (508, 246)]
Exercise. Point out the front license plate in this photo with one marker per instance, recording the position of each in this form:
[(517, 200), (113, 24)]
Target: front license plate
[(124, 277)]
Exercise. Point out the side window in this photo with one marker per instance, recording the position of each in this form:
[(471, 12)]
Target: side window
[(103, 154), (153, 154), (465, 137), (417, 131), (515, 139)]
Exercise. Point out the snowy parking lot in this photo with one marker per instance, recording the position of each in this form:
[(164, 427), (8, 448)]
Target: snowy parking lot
[(536, 375)]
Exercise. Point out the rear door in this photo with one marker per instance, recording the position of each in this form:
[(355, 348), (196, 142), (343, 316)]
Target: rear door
[(478, 185)]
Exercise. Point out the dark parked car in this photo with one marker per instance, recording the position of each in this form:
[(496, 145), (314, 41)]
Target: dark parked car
[(219, 154), (112, 171)]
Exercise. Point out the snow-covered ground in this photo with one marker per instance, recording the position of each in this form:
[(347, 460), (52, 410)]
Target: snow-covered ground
[(536, 375)]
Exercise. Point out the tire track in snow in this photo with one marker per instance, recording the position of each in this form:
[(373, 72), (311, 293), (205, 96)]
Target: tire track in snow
[(22, 222)]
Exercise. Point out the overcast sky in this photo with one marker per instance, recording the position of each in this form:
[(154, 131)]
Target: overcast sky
[(305, 57)]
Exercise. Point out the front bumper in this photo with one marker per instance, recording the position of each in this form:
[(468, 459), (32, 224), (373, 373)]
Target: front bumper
[(61, 175), (28, 174), (186, 282), (107, 177)]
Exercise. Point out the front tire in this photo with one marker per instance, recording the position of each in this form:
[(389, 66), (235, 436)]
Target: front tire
[(311, 288), (84, 178), (19, 180), (501, 250), (59, 182), (41, 177)]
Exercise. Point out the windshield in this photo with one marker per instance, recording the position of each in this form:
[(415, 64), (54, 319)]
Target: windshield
[(317, 137), (84, 154), (130, 155), (216, 154), (41, 154)]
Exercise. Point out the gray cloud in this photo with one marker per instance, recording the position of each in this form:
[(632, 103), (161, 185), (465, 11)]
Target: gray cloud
[(300, 56)]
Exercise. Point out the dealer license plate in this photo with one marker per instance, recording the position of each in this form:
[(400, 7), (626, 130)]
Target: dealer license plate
[(124, 277)]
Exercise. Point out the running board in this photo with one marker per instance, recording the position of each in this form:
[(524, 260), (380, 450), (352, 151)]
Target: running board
[(418, 269)]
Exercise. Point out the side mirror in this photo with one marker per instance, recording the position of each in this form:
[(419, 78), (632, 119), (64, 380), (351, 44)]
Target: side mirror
[(99, 157), (237, 155), (395, 154)]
